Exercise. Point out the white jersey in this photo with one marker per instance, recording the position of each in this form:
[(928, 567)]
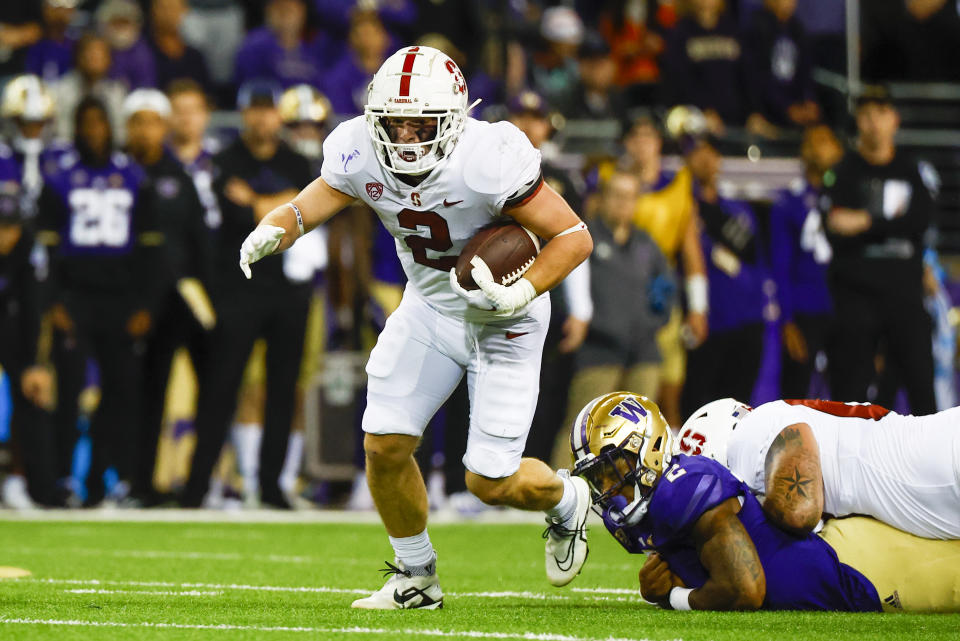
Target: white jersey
[(492, 165), (902, 470)]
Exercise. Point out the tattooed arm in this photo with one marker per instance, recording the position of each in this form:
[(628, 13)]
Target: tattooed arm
[(736, 581), (793, 481)]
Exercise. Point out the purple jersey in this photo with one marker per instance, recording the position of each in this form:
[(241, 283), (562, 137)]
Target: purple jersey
[(99, 203), (799, 252), (802, 573)]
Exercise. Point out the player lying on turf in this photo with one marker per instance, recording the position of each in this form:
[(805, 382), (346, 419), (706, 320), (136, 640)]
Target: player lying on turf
[(713, 547), (435, 177), (809, 457)]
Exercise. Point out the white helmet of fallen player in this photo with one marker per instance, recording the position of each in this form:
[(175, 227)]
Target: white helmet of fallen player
[(418, 84), (707, 431)]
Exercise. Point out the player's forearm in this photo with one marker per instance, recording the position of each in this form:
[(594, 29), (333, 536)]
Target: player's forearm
[(736, 578), (316, 202), (559, 257)]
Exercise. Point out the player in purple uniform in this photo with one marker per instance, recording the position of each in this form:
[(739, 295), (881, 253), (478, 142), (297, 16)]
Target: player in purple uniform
[(103, 250), (711, 547)]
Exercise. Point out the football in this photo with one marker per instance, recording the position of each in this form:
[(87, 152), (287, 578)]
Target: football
[(508, 249)]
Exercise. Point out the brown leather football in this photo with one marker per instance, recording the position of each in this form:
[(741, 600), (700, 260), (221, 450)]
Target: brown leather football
[(508, 249)]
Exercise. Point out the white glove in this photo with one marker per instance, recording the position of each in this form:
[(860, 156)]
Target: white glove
[(475, 298), (508, 299), (261, 242)]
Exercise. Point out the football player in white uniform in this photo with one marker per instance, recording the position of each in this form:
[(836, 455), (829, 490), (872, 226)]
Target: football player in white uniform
[(435, 177), (810, 457)]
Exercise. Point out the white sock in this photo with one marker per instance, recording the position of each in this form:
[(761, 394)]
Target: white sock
[(291, 463), (246, 442), (414, 551), (567, 507)]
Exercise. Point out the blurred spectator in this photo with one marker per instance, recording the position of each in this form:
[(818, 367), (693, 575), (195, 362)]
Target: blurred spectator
[(31, 385), (462, 23), (121, 23), (597, 96), (666, 211), (175, 59), (399, 17), (19, 28), (181, 310), (632, 291), (553, 68), (879, 207), (635, 31), (216, 29), (305, 112), (28, 106), (571, 307), (728, 361), (104, 251), (52, 56), (780, 64), (88, 78), (704, 65), (252, 176), (279, 51), (189, 118), (483, 86), (346, 83), (799, 256), (911, 40)]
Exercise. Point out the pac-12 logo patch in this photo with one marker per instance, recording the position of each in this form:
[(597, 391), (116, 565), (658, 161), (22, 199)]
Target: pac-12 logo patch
[(374, 190)]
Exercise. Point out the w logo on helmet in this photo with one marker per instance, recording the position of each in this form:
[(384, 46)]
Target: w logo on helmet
[(374, 190)]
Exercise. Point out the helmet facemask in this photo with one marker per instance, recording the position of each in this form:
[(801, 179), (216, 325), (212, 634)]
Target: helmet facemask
[(619, 472), (419, 157)]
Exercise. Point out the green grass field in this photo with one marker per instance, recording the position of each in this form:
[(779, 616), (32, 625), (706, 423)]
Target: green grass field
[(277, 581)]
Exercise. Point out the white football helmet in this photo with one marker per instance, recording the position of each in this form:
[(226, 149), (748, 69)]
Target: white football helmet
[(26, 97), (417, 82), (707, 431)]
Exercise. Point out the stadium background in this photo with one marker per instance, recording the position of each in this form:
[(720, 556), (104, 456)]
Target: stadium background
[(506, 49)]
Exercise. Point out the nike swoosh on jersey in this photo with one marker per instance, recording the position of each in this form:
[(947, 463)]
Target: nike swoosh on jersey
[(512, 335), (447, 203)]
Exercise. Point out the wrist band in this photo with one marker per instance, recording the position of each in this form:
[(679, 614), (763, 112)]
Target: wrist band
[(680, 598), (296, 210), (697, 296)]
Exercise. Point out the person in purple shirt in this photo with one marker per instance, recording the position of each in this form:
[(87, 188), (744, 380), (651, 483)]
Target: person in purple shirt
[(398, 16), (279, 51), (727, 362), (121, 22), (104, 248), (799, 256), (709, 544), (346, 83), (52, 56), (780, 66), (174, 58)]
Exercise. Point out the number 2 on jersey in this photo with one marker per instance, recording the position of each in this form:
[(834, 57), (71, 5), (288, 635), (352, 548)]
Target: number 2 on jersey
[(674, 472), (438, 240)]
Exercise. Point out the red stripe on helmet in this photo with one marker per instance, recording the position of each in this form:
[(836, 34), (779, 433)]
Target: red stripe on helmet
[(407, 70)]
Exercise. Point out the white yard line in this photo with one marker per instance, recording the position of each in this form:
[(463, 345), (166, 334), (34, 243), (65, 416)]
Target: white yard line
[(589, 594), (459, 634), (175, 554), (147, 592), (440, 517)]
